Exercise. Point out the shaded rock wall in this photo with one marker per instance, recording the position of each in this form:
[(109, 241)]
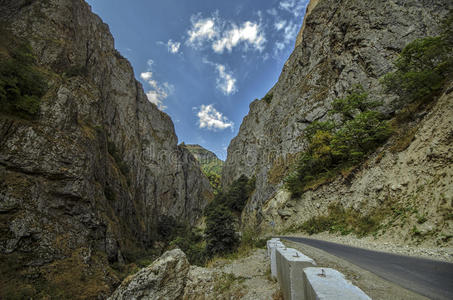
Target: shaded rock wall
[(100, 164)]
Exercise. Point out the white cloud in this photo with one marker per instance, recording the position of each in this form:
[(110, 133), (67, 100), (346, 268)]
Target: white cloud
[(287, 5), (202, 30), (279, 46), (223, 37), (158, 92), (157, 98), (272, 12), (173, 47), (226, 82), (212, 119), (295, 7), (146, 75), (279, 25), (289, 29), (250, 33), (290, 32)]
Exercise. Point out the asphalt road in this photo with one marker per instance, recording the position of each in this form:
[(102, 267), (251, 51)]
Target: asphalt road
[(430, 278)]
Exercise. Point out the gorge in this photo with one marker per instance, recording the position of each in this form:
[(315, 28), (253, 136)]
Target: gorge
[(92, 176)]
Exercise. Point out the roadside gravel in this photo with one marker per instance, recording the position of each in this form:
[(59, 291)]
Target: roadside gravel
[(254, 274)]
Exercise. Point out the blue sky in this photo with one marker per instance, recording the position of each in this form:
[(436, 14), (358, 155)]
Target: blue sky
[(203, 62)]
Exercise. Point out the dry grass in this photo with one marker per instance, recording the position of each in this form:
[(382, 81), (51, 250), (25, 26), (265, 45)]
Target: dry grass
[(280, 168)]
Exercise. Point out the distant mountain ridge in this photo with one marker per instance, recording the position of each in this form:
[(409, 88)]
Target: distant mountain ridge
[(209, 162)]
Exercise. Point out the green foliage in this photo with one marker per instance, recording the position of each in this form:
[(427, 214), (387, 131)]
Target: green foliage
[(359, 136), (238, 193), (220, 234), (183, 236), (423, 67), (333, 147), (22, 84), (342, 220), (268, 98), (214, 180), (193, 246), (212, 167), (356, 101)]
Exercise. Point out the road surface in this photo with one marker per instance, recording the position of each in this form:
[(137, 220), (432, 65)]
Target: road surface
[(430, 278)]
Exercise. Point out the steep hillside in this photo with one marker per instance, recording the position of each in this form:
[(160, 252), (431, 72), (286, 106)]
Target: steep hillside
[(342, 44), (210, 163), (88, 170)]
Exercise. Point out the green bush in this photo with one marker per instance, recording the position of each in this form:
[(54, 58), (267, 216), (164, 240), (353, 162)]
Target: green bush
[(423, 67), (356, 101), (335, 146), (268, 98), (214, 181), (220, 234), (193, 246), (239, 192), (22, 84), (183, 236), (341, 220)]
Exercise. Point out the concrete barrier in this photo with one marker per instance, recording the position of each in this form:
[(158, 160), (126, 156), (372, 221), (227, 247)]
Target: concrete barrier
[(269, 243), (290, 269), (329, 284), (272, 247)]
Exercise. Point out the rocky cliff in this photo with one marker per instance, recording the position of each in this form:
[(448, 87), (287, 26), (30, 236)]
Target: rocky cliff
[(87, 179), (341, 44)]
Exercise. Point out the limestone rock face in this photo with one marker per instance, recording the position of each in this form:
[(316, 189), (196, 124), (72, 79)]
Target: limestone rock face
[(100, 164), (343, 43), (417, 181), (163, 279)]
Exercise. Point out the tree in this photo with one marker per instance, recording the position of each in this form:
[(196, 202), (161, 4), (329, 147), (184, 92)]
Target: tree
[(332, 146), (220, 234), (422, 67)]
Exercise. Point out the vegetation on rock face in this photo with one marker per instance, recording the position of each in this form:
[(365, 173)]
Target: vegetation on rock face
[(422, 70), (177, 234), (22, 84), (220, 232), (342, 220), (210, 164), (333, 145), (268, 98), (423, 67)]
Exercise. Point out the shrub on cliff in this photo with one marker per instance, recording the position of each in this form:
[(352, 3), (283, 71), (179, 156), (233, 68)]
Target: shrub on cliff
[(333, 146), (22, 84), (423, 67), (239, 192), (220, 234)]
